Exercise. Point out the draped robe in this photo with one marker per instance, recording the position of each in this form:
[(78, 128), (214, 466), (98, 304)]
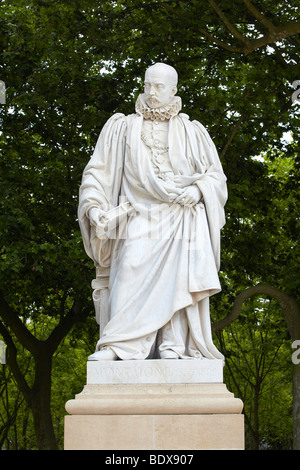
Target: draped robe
[(158, 282)]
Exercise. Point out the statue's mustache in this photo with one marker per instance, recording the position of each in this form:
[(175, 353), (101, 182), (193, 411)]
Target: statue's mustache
[(152, 100)]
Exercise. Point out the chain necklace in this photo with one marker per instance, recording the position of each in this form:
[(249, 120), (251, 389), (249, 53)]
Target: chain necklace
[(157, 149)]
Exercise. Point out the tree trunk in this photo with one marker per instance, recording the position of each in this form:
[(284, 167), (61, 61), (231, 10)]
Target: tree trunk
[(291, 313), (256, 417), (38, 397), (296, 407), (40, 404)]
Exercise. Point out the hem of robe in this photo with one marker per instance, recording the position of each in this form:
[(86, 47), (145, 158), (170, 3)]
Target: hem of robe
[(123, 347)]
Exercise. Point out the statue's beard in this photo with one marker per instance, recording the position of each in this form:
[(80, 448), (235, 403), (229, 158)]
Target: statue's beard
[(160, 113), (153, 102)]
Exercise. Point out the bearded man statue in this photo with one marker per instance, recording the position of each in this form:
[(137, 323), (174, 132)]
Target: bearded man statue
[(162, 264)]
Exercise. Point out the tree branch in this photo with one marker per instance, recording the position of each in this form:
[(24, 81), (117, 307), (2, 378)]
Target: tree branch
[(277, 34), (232, 135), (11, 318), (11, 360), (259, 16), (235, 127), (228, 24), (222, 44), (274, 34), (76, 313), (289, 305)]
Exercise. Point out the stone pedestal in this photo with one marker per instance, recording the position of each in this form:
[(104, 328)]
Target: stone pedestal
[(154, 405)]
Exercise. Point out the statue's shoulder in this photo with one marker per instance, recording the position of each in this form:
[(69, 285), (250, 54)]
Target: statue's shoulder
[(117, 117), (131, 117), (192, 123), (116, 121), (202, 131), (184, 116)]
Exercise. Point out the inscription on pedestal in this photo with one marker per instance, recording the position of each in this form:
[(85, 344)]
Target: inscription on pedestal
[(155, 371)]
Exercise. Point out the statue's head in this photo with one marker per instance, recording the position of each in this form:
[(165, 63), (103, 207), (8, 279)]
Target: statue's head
[(160, 85)]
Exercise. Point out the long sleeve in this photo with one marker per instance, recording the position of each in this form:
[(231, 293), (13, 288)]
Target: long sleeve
[(101, 183)]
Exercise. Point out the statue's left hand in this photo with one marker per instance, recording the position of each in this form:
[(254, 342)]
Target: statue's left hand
[(189, 196), (95, 214)]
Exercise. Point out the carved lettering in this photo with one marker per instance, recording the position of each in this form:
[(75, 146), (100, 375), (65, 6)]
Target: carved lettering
[(155, 372)]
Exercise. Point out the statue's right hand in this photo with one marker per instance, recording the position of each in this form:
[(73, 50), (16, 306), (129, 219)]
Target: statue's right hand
[(95, 215)]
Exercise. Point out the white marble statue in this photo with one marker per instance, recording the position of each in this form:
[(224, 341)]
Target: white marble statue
[(160, 264)]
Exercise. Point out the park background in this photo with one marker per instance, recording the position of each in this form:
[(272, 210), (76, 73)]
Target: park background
[(67, 67)]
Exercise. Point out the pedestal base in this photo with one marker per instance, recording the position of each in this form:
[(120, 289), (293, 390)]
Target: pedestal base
[(151, 415), (154, 432)]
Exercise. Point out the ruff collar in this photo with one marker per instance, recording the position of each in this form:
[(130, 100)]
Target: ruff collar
[(158, 114)]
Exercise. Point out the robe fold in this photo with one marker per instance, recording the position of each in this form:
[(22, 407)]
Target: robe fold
[(164, 267)]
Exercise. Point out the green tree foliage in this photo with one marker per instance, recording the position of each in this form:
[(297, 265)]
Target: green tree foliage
[(257, 349), (17, 430), (67, 67)]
